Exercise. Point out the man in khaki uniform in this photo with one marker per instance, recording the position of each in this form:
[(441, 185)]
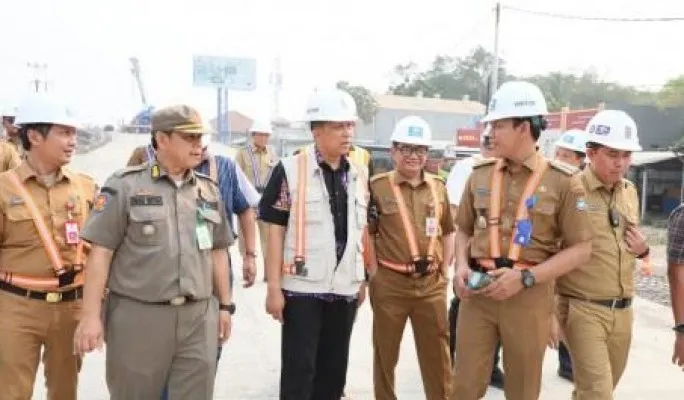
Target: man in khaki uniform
[(9, 158), (257, 159), (413, 241), (43, 205), (11, 130), (141, 155), (514, 212), (159, 240), (594, 304)]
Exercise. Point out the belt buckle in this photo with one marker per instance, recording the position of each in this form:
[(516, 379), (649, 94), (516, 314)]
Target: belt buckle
[(53, 297), (178, 301)]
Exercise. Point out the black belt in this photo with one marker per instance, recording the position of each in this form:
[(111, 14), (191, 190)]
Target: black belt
[(176, 301), (50, 297), (610, 303)]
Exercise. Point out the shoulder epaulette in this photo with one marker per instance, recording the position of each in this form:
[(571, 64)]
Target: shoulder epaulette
[(565, 168), (483, 162), (129, 170), (628, 184), (204, 176), (434, 177), (86, 176), (379, 176)]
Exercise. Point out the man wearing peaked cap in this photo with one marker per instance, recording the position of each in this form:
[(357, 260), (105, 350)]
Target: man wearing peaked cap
[(159, 241)]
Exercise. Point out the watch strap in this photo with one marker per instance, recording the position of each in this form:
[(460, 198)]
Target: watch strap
[(679, 328), (228, 307)]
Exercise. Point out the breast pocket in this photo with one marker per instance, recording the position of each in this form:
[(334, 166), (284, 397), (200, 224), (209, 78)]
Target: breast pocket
[(543, 216), (21, 229), (148, 225)]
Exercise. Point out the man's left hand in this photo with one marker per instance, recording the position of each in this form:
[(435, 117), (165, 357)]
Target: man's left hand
[(507, 283), (224, 326), (636, 241), (363, 290), (248, 270)]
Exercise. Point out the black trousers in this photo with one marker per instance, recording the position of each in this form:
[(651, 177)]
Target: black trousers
[(453, 317), (315, 348)]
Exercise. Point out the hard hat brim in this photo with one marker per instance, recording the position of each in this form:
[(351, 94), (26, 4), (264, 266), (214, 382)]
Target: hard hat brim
[(621, 146)]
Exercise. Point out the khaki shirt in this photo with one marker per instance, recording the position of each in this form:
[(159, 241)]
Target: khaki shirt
[(608, 274), (21, 249), (9, 157), (150, 224), (559, 214), (264, 159), (391, 243), (139, 156)]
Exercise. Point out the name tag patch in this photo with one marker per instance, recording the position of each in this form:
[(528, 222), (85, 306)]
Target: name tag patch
[(146, 200), (207, 205)]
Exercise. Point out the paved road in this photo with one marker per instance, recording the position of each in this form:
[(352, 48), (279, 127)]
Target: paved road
[(249, 368)]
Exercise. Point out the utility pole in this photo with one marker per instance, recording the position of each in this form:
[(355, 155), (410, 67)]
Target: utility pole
[(494, 83), (36, 81)]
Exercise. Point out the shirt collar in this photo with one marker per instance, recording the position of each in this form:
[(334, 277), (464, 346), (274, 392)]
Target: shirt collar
[(25, 172), (532, 162), (399, 179), (594, 183), (344, 162), (158, 171)]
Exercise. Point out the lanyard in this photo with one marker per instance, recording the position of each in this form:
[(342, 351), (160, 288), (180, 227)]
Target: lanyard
[(150, 152), (521, 214)]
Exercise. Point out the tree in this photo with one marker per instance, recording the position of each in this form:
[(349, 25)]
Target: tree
[(453, 78), (672, 93), (448, 77), (366, 104)]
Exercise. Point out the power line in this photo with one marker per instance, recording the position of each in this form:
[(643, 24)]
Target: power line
[(584, 18)]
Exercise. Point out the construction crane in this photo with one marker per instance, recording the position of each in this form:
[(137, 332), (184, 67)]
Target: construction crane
[(135, 70)]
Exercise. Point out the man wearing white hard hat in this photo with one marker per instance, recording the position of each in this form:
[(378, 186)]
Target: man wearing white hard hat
[(594, 304), (458, 176), (571, 148), (514, 212), (9, 115), (411, 230), (257, 159), (43, 206), (316, 205)]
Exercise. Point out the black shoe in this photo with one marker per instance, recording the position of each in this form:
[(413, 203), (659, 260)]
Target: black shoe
[(565, 374), (497, 378)]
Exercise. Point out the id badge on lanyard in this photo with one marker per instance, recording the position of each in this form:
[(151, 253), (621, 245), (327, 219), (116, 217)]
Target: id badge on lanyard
[(71, 231)]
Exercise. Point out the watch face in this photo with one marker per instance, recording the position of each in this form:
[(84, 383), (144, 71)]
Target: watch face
[(528, 279)]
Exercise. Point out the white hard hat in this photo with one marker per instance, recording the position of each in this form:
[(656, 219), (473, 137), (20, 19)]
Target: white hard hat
[(44, 109), (614, 129), (261, 126), (9, 112), (516, 99), (331, 105), (574, 139), (412, 130)]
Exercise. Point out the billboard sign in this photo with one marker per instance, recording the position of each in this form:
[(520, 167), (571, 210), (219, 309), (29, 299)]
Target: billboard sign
[(224, 72)]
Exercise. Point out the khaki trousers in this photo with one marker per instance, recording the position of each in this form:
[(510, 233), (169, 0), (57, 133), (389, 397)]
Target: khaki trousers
[(395, 298), (28, 326), (599, 339), (522, 324)]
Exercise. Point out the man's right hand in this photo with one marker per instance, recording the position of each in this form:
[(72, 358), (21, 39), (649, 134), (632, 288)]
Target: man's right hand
[(89, 335), (275, 303), (459, 282), (678, 355)]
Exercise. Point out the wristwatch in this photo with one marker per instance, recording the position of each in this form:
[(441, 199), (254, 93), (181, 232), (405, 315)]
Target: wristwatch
[(228, 307), (679, 328), (252, 254), (528, 279)]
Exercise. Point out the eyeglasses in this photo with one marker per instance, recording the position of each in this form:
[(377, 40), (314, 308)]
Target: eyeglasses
[(406, 151)]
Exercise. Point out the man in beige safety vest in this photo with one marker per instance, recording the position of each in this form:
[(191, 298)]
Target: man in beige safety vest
[(316, 206), (257, 159), (412, 232), (43, 206)]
